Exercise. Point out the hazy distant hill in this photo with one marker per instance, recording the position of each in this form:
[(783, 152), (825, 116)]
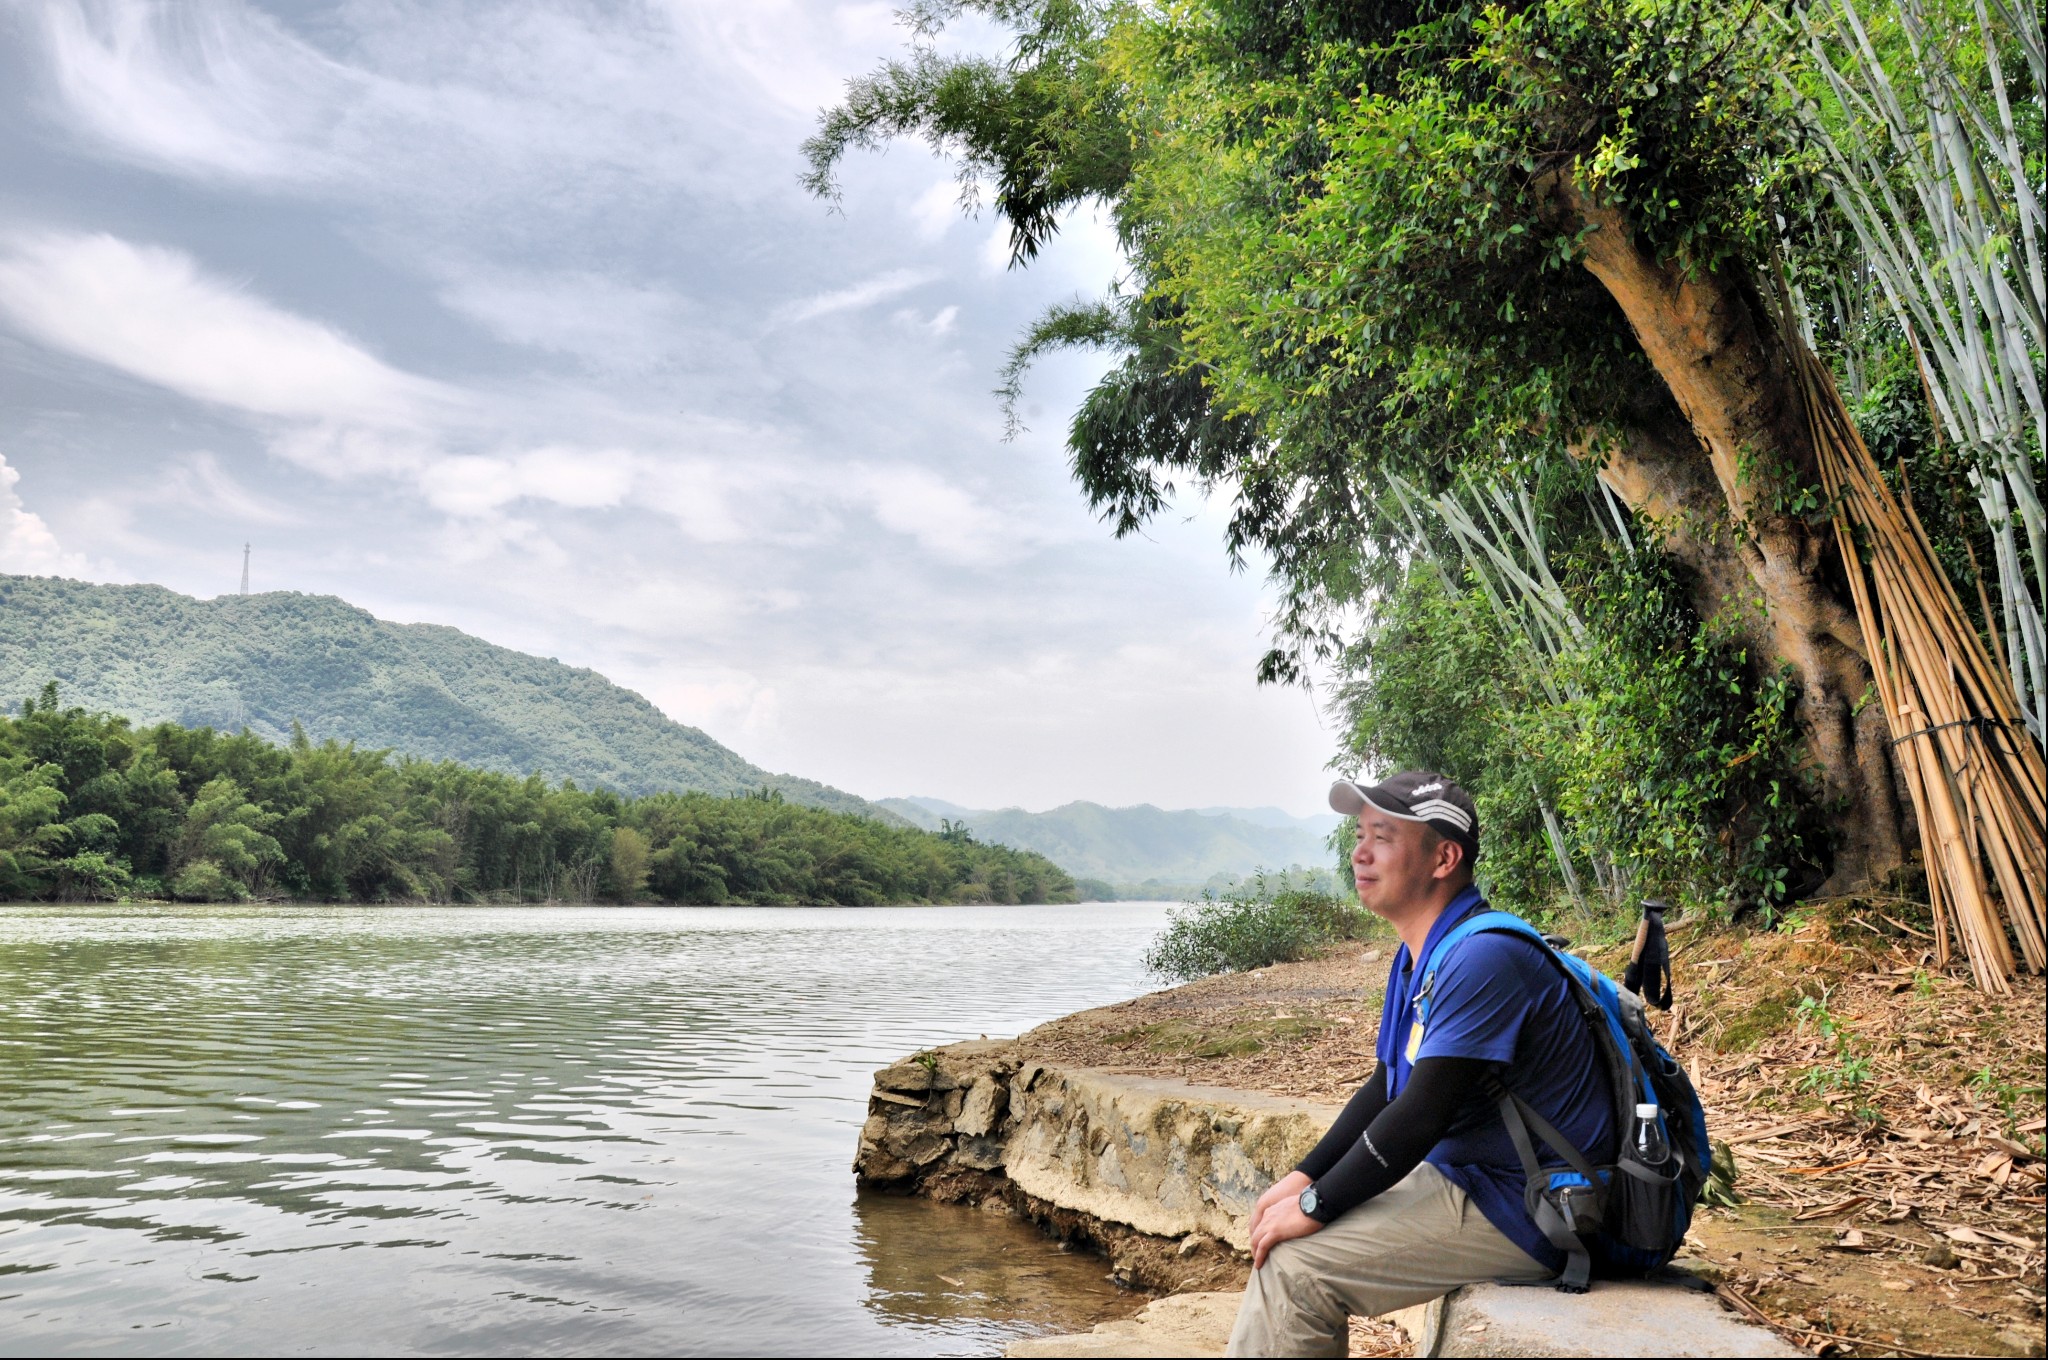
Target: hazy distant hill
[(1134, 845), (420, 689)]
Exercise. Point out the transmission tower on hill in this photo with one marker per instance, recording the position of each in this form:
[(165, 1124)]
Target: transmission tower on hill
[(245, 569)]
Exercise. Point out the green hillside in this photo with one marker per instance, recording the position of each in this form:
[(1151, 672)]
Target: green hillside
[(264, 661), (1132, 846)]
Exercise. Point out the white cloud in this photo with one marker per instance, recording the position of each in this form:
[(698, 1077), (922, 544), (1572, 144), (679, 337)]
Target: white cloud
[(198, 480), (581, 479), (27, 547), (943, 518), (995, 248), (150, 312), (206, 87), (755, 37), (881, 288), (540, 106), (611, 324), (936, 211)]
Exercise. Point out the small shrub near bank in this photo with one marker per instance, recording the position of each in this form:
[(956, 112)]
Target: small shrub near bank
[(1249, 927)]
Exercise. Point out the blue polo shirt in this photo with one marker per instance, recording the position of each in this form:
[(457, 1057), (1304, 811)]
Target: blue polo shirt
[(1498, 999)]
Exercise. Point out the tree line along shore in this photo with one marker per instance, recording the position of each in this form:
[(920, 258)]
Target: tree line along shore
[(93, 809)]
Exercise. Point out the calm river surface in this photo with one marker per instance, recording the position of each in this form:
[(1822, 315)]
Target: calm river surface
[(510, 1130)]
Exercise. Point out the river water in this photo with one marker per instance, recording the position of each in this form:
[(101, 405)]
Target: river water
[(243, 1130)]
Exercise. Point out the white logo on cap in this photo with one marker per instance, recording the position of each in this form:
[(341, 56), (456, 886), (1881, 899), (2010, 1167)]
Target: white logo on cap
[(1437, 787), (1436, 809)]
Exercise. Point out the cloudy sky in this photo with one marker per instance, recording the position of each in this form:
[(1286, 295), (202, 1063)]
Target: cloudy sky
[(512, 316)]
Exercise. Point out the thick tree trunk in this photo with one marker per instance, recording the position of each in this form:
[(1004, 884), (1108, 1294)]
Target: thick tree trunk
[(1716, 353)]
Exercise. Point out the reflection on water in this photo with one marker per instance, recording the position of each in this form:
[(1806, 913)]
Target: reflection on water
[(975, 1274), (410, 1130)]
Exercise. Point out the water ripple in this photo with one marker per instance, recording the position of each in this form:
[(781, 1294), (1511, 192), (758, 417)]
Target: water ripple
[(508, 1130)]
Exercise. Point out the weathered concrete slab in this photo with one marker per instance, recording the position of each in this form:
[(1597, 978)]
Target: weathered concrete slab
[(1184, 1324), (1156, 1153), (1615, 1318)]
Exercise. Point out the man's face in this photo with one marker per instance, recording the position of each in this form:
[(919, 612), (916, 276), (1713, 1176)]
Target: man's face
[(1394, 865)]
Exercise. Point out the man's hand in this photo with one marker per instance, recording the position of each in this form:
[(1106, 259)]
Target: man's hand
[(1288, 1187), (1283, 1222)]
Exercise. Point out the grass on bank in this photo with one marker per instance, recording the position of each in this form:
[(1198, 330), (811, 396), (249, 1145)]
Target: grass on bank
[(1258, 923), (1272, 920)]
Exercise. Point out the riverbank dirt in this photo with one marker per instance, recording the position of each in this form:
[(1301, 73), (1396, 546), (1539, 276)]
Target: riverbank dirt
[(1886, 1119)]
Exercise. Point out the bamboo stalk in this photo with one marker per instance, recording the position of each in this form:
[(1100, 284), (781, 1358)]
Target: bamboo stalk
[(1978, 800)]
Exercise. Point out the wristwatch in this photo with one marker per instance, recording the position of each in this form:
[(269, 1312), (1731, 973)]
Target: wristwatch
[(1312, 1204)]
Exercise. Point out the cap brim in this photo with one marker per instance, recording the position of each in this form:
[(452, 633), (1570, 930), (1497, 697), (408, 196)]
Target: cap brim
[(1352, 799), (1347, 798)]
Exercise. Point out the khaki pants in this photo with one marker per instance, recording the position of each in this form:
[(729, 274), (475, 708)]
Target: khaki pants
[(1419, 1240)]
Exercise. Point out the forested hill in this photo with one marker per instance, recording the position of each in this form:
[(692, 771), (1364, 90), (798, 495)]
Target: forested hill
[(1132, 845), (437, 693)]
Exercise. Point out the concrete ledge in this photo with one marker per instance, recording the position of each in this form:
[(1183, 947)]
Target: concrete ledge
[(1616, 1318), (1155, 1154), (1185, 1324)]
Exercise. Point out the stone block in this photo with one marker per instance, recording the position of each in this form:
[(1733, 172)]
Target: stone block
[(982, 1154), (877, 1165), (906, 1077), (919, 1137), (983, 1107)]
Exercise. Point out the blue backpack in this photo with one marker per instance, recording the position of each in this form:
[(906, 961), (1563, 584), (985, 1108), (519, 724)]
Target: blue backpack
[(1629, 1218)]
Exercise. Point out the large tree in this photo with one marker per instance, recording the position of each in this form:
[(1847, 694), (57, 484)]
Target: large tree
[(1425, 239)]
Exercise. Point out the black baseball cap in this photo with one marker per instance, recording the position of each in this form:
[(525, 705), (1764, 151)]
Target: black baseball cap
[(1416, 796)]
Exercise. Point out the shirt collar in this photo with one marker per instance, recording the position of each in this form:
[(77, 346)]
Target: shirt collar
[(1454, 911)]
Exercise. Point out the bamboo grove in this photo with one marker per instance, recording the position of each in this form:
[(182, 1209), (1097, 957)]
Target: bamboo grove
[(1637, 403)]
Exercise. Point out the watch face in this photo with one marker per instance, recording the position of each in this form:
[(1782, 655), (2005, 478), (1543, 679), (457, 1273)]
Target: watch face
[(1309, 1201)]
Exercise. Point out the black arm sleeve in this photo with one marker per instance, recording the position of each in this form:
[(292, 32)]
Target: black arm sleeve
[(1363, 1108), (1400, 1134)]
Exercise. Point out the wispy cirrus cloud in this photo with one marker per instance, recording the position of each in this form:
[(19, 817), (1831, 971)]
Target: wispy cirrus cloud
[(155, 314), (198, 481), (205, 88), (152, 313), (866, 293)]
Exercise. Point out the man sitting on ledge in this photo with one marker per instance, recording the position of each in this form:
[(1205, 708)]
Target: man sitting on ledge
[(1417, 1188)]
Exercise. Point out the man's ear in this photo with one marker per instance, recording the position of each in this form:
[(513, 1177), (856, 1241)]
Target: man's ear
[(1449, 857)]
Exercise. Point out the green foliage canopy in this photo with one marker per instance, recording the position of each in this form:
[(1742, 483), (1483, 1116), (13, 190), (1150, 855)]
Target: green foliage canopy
[(1356, 237)]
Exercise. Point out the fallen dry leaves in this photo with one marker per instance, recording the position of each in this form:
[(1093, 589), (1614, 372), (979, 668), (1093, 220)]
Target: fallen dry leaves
[(1887, 1119)]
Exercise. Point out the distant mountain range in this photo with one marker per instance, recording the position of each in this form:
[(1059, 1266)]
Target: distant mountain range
[(269, 660), (1134, 849)]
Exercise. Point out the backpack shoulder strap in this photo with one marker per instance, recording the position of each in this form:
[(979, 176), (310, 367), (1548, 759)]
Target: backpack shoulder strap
[(1504, 922)]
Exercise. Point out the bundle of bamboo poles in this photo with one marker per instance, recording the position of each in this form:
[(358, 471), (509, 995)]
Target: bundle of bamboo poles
[(1977, 778)]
